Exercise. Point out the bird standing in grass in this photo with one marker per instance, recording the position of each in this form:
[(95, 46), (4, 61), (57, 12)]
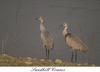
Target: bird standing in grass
[(73, 42), (46, 37)]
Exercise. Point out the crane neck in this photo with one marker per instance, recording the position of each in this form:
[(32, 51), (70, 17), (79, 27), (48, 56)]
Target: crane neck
[(42, 27), (65, 31)]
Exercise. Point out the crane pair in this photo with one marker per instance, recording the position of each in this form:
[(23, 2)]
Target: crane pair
[(73, 42)]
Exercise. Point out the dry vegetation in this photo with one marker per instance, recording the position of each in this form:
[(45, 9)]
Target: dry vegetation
[(6, 60)]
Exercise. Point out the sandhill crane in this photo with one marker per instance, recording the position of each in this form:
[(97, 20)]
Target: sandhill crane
[(46, 37), (73, 42)]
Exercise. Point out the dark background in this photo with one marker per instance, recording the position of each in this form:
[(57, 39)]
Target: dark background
[(21, 33)]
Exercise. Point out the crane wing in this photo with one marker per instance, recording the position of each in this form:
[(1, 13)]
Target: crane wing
[(47, 39), (76, 43)]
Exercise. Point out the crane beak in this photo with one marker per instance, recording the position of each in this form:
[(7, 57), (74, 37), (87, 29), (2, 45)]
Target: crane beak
[(60, 26), (36, 18)]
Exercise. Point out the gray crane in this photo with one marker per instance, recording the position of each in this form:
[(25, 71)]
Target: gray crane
[(73, 42), (46, 37)]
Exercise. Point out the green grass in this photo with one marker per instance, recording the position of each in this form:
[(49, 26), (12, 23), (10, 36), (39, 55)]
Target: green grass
[(7, 60)]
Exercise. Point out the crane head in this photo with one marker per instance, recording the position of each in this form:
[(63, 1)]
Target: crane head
[(65, 25), (41, 19)]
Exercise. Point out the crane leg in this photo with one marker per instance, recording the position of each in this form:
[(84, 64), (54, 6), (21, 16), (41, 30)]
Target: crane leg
[(72, 56), (75, 56), (48, 53)]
